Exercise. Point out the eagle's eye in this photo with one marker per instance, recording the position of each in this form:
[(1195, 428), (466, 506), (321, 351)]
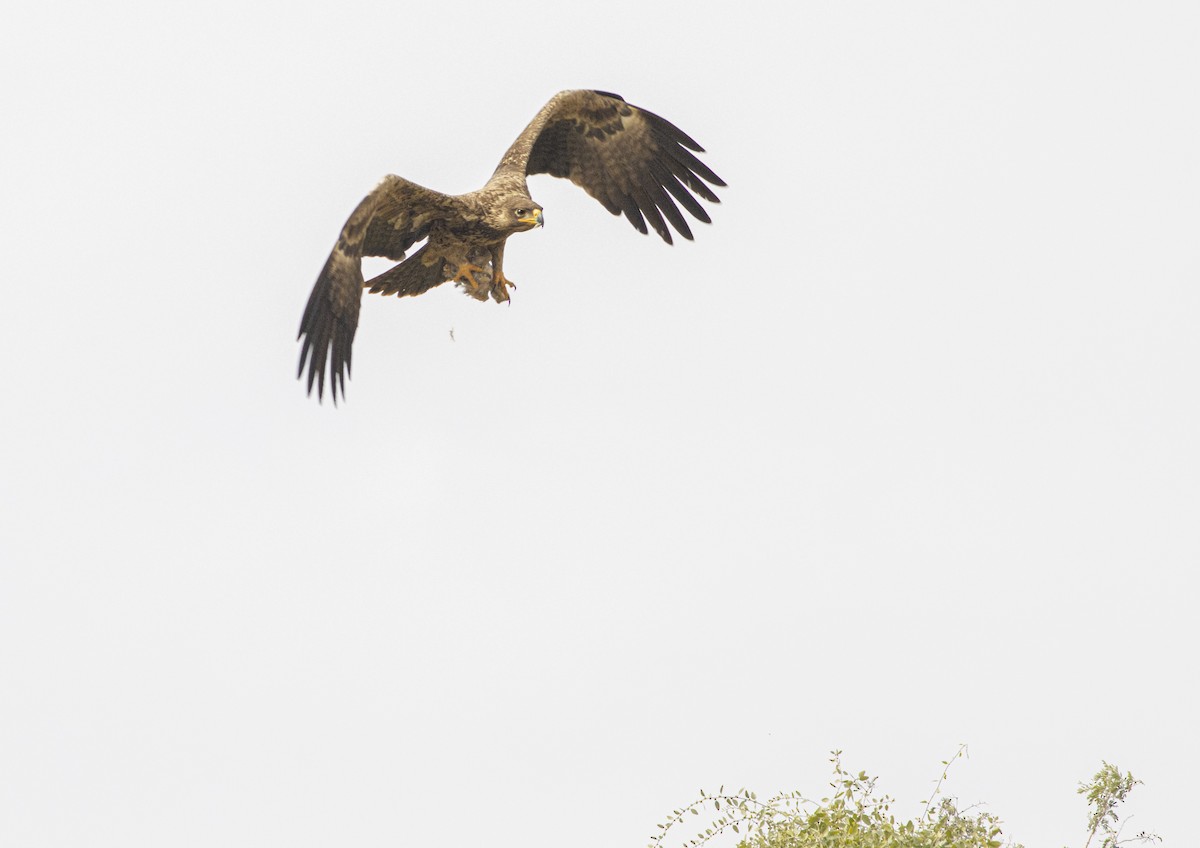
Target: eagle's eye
[(520, 213)]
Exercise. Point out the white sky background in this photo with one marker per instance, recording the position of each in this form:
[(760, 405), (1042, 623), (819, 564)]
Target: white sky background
[(900, 453)]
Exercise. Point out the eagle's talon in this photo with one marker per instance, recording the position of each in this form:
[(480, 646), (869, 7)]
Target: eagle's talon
[(500, 289), (465, 277)]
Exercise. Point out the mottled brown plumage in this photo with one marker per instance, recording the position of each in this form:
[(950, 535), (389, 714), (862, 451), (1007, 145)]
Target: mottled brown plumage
[(632, 161)]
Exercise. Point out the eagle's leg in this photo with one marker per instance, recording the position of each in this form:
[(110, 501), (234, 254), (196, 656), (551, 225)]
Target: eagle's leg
[(500, 283), (468, 275)]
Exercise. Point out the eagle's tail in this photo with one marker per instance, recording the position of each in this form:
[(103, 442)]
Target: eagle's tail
[(415, 275)]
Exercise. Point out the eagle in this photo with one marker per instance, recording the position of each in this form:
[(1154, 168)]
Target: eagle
[(631, 160)]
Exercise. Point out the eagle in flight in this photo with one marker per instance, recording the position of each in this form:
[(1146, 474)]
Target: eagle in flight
[(631, 160)]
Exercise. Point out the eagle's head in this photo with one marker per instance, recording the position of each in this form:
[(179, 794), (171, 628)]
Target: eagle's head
[(518, 214)]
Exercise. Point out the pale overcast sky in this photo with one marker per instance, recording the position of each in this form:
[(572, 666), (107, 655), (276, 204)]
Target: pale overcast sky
[(900, 453)]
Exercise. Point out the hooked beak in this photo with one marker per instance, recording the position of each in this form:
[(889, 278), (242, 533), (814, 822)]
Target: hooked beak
[(534, 220)]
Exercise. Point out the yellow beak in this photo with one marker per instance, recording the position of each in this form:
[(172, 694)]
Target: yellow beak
[(534, 220)]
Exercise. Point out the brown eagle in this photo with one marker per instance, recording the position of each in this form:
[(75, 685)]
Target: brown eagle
[(631, 160)]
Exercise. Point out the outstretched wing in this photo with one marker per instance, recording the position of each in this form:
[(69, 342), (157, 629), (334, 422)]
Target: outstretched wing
[(631, 160), (390, 219)]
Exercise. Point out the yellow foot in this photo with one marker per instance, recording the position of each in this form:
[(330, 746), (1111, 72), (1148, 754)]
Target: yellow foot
[(468, 276), (500, 288)]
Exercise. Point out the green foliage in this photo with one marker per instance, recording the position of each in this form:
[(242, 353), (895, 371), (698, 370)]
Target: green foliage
[(1108, 789), (854, 816)]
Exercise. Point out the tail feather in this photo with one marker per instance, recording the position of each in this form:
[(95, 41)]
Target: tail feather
[(411, 277)]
